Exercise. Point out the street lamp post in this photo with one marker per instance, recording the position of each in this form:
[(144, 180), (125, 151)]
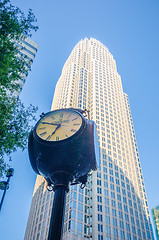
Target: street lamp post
[(4, 185), (63, 147)]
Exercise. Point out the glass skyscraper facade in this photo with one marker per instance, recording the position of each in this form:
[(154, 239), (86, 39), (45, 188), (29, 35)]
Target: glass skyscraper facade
[(113, 205)]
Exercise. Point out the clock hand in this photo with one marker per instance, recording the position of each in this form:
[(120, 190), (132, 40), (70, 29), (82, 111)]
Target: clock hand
[(49, 123), (58, 126)]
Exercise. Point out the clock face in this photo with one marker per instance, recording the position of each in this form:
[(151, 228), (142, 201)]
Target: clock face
[(59, 125)]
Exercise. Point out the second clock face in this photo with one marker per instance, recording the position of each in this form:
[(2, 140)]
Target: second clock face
[(59, 125)]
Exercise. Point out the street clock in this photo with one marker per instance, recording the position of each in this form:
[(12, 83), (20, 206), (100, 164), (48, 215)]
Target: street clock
[(63, 143), (63, 147)]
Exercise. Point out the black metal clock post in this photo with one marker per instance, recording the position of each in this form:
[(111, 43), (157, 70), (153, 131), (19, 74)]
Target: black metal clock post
[(57, 216), (63, 147)]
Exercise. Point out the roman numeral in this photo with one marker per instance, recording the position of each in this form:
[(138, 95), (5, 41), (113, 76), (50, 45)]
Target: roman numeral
[(48, 138), (75, 124), (66, 121), (42, 128), (42, 134), (74, 119), (73, 130), (57, 138)]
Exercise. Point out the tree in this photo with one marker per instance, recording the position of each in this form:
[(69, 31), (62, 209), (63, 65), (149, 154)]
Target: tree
[(14, 117)]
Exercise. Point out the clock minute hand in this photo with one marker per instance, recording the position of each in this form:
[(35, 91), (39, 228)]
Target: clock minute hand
[(58, 126), (50, 123)]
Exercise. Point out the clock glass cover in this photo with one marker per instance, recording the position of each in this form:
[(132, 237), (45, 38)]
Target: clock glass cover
[(59, 125)]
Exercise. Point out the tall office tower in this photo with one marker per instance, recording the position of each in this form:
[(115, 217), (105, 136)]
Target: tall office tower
[(27, 49), (155, 212), (113, 205)]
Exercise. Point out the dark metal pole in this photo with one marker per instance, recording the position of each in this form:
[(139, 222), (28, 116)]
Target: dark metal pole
[(57, 215), (4, 193)]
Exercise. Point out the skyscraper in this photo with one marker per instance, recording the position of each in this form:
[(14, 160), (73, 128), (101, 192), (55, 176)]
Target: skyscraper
[(113, 205), (27, 49)]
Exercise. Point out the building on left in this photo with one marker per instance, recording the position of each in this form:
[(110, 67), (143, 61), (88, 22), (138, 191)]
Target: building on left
[(27, 49)]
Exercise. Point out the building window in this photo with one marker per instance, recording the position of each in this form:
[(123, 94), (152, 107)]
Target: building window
[(73, 195), (107, 210), (73, 204), (114, 222), (113, 212), (80, 207), (80, 216), (99, 199), (100, 228), (108, 230), (80, 198), (115, 232), (99, 190), (107, 219), (122, 235), (73, 214), (100, 217), (79, 227), (98, 182), (99, 208), (100, 237)]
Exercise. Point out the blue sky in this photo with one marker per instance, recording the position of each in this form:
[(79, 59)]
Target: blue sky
[(129, 29)]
